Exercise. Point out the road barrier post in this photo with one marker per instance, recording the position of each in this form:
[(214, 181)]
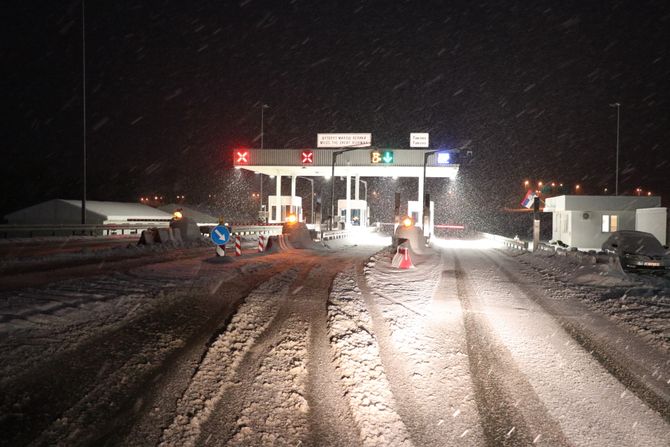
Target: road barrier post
[(238, 245)]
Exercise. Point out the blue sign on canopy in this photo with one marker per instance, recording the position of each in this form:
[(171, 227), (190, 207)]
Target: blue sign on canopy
[(220, 235)]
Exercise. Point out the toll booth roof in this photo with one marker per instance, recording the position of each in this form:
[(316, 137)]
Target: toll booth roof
[(363, 162)]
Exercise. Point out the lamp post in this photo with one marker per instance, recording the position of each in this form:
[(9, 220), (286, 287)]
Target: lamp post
[(332, 176), (423, 198), (616, 172), (83, 59), (311, 209), (366, 201), (263, 107)]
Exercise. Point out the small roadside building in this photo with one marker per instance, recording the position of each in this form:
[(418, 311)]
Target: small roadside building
[(68, 212), (587, 221)]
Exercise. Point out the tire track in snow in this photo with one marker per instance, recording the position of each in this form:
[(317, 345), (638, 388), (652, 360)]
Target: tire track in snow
[(511, 412), (218, 369), (249, 411), (418, 320), (280, 386), (360, 368)]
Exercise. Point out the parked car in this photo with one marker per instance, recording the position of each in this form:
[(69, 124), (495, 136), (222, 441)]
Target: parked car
[(638, 250)]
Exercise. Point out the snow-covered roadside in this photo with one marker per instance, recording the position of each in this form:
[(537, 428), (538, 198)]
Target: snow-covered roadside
[(41, 323), (639, 302), (358, 361), (591, 405), (87, 255)]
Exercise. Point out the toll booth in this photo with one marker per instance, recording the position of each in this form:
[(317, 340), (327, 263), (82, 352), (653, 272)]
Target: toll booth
[(282, 208), (414, 210), (360, 214)]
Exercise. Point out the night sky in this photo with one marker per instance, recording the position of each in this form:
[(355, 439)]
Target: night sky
[(173, 86)]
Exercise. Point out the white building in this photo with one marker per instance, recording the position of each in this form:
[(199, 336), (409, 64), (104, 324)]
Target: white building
[(587, 221), (67, 212)]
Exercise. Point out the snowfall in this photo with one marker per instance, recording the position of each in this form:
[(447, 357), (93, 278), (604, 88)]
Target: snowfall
[(379, 321)]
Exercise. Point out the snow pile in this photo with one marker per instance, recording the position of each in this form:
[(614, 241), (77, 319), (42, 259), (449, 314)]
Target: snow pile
[(640, 302), (219, 367), (358, 362)]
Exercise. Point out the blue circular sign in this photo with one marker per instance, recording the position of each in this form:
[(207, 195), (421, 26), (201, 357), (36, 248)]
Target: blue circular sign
[(220, 235)]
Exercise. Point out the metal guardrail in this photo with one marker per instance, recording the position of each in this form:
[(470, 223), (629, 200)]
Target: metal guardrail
[(76, 229), (334, 234), (12, 230), (507, 242)]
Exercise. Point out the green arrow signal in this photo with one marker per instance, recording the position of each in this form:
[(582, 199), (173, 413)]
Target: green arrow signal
[(388, 157)]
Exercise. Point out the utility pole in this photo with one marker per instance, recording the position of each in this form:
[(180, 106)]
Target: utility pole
[(263, 107), (83, 58), (616, 172)]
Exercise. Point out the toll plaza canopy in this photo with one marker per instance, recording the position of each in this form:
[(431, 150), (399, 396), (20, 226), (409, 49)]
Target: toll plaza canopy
[(348, 162), (360, 162)]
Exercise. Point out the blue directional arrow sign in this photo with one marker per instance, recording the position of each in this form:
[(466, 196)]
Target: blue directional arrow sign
[(220, 235), (387, 157)]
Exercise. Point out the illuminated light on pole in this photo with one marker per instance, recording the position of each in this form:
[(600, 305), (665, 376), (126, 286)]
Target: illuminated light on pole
[(648, 193), (526, 183), (577, 188)]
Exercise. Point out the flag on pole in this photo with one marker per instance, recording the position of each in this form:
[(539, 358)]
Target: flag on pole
[(527, 201)]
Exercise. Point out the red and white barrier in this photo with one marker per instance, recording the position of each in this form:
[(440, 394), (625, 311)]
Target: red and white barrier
[(221, 250), (261, 243), (402, 259), (238, 245)]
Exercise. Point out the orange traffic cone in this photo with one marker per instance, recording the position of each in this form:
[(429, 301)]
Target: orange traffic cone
[(402, 259)]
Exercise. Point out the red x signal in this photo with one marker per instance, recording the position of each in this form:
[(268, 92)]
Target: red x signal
[(307, 157), (241, 157)]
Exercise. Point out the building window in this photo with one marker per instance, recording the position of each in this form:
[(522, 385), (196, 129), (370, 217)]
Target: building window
[(610, 223)]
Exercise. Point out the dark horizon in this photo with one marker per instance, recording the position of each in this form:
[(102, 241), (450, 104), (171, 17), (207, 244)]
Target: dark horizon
[(172, 89)]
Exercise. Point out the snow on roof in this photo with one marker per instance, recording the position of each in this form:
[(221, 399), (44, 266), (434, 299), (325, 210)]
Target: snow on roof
[(105, 210), (120, 210), (604, 203)]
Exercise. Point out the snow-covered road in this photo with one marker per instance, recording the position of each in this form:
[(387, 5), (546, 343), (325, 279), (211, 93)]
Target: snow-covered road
[(332, 346)]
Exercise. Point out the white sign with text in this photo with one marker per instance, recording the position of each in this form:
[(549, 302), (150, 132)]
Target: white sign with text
[(418, 140), (343, 139)]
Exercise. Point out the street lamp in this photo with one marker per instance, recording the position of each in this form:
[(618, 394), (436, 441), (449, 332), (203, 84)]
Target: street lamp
[(311, 209), (616, 172), (83, 70), (263, 107), (424, 208), (365, 182)]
